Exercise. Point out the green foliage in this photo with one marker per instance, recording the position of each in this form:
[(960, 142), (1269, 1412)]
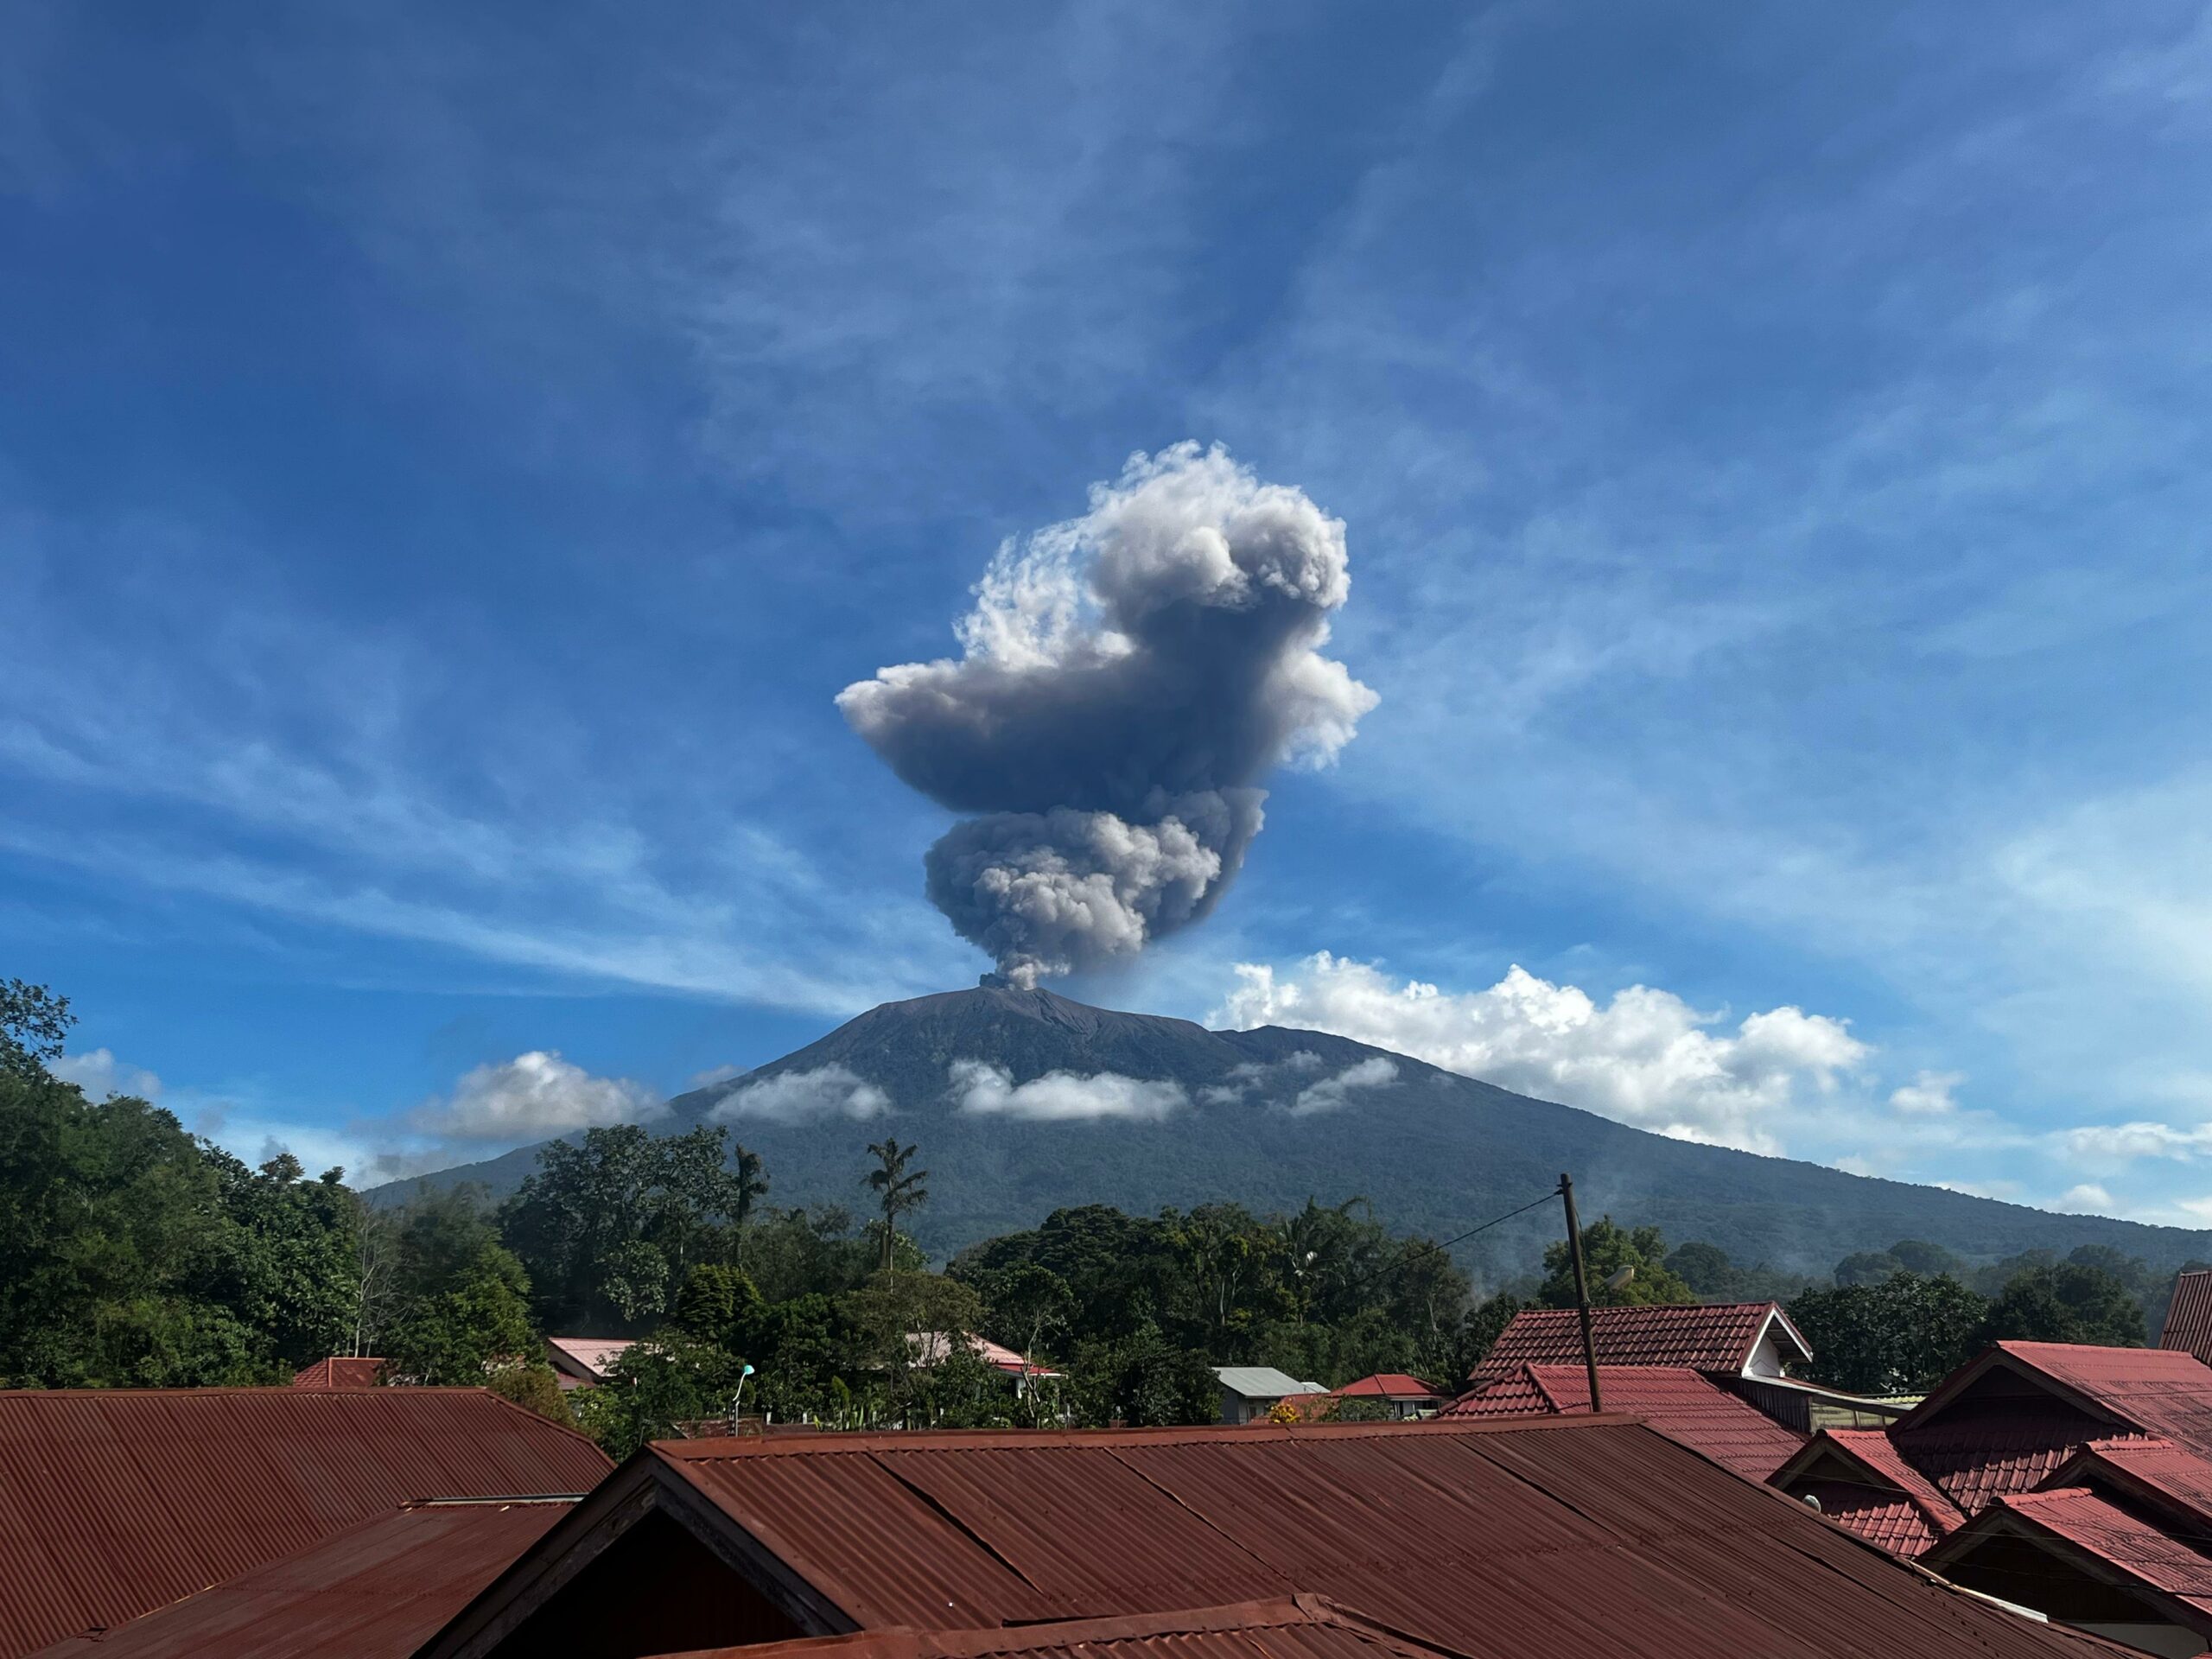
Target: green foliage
[(132, 1253), (1900, 1335), (534, 1388), (898, 1191), (608, 1229), (476, 1322), (1606, 1251), (1144, 1381), (2067, 1302), (655, 1387), (34, 1024)]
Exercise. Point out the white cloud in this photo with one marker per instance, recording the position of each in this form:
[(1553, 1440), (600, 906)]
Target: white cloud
[(100, 1074), (1645, 1058), (714, 1074), (2123, 1142), (533, 1096), (1330, 1093), (2088, 1198), (1061, 1096), (1928, 1095), (803, 1096)]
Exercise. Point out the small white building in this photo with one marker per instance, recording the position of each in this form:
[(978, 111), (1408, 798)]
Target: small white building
[(1249, 1391)]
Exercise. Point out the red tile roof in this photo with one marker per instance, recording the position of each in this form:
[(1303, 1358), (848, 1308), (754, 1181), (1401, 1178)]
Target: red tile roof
[(1293, 1627), (375, 1592), (2116, 1537), (2011, 1446), (340, 1371), (1569, 1535), (114, 1502), (1885, 1500), (1720, 1337), (2160, 1391), (1674, 1399), (2148, 1467), (2189, 1316), (1388, 1385)]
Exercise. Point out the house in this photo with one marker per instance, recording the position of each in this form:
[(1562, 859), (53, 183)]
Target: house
[(1401, 1395), (116, 1501), (340, 1371), (583, 1362), (1744, 1347), (928, 1347), (1481, 1540), (1687, 1407), (381, 1588), (2073, 1480), (2189, 1316), (1249, 1391)]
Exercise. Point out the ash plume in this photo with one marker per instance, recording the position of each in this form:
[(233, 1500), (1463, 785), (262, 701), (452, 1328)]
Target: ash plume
[(1127, 679)]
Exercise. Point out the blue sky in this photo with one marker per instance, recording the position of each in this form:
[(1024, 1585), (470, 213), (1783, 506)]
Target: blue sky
[(453, 457)]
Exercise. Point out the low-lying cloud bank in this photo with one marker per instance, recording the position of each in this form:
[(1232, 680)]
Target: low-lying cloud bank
[(531, 1097), (989, 1089), (803, 1097), (1645, 1058), (100, 1074)]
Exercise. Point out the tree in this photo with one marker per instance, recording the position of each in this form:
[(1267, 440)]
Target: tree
[(886, 1315), (655, 1386), (34, 1024), (1900, 1335), (898, 1191), (1867, 1267), (2067, 1303), (607, 1228), (1606, 1251)]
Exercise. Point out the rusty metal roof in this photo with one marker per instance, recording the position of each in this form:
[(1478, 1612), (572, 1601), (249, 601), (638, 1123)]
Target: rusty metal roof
[(1293, 1627), (2189, 1316), (1559, 1534), (2076, 1519), (1678, 1401), (116, 1501), (339, 1371), (1717, 1338), (2147, 1468), (375, 1592)]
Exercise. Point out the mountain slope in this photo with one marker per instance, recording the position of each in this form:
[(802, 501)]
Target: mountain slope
[(1434, 1152)]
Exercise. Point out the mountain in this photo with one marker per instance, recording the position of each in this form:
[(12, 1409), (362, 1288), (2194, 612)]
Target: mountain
[(1268, 1118)]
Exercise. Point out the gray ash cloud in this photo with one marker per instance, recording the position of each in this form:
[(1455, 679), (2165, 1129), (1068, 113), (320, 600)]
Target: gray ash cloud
[(1127, 679)]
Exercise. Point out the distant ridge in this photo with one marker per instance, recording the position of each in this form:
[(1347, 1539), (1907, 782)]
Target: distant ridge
[(1433, 1151)]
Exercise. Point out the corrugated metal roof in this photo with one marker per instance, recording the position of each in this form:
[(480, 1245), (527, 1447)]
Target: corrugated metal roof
[(1717, 1338), (116, 1501), (376, 1592), (2189, 1316), (591, 1356), (1564, 1534), (1263, 1382), (339, 1371), (1300, 1627), (1678, 1401)]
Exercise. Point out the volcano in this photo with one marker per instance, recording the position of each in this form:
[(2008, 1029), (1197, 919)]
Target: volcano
[(1271, 1116)]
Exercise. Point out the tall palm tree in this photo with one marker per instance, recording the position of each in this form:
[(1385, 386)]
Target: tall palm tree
[(898, 1189), (748, 1184)]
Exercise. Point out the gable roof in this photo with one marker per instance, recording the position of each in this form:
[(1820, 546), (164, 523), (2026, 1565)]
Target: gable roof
[(114, 1502), (2189, 1316), (1678, 1401), (374, 1592), (1292, 1627), (589, 1357), (2150, 1470), (340, 1371), (2080, 1525), (1879, 1496), (1562, 1534), (1717, 1336), (1388, 1385), (1263, 1382)]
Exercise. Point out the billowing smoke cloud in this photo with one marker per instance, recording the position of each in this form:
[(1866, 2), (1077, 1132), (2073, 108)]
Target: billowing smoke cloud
[(1127, 679)]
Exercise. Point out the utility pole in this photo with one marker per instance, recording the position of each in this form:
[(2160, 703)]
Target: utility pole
[(1581, 1286)]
